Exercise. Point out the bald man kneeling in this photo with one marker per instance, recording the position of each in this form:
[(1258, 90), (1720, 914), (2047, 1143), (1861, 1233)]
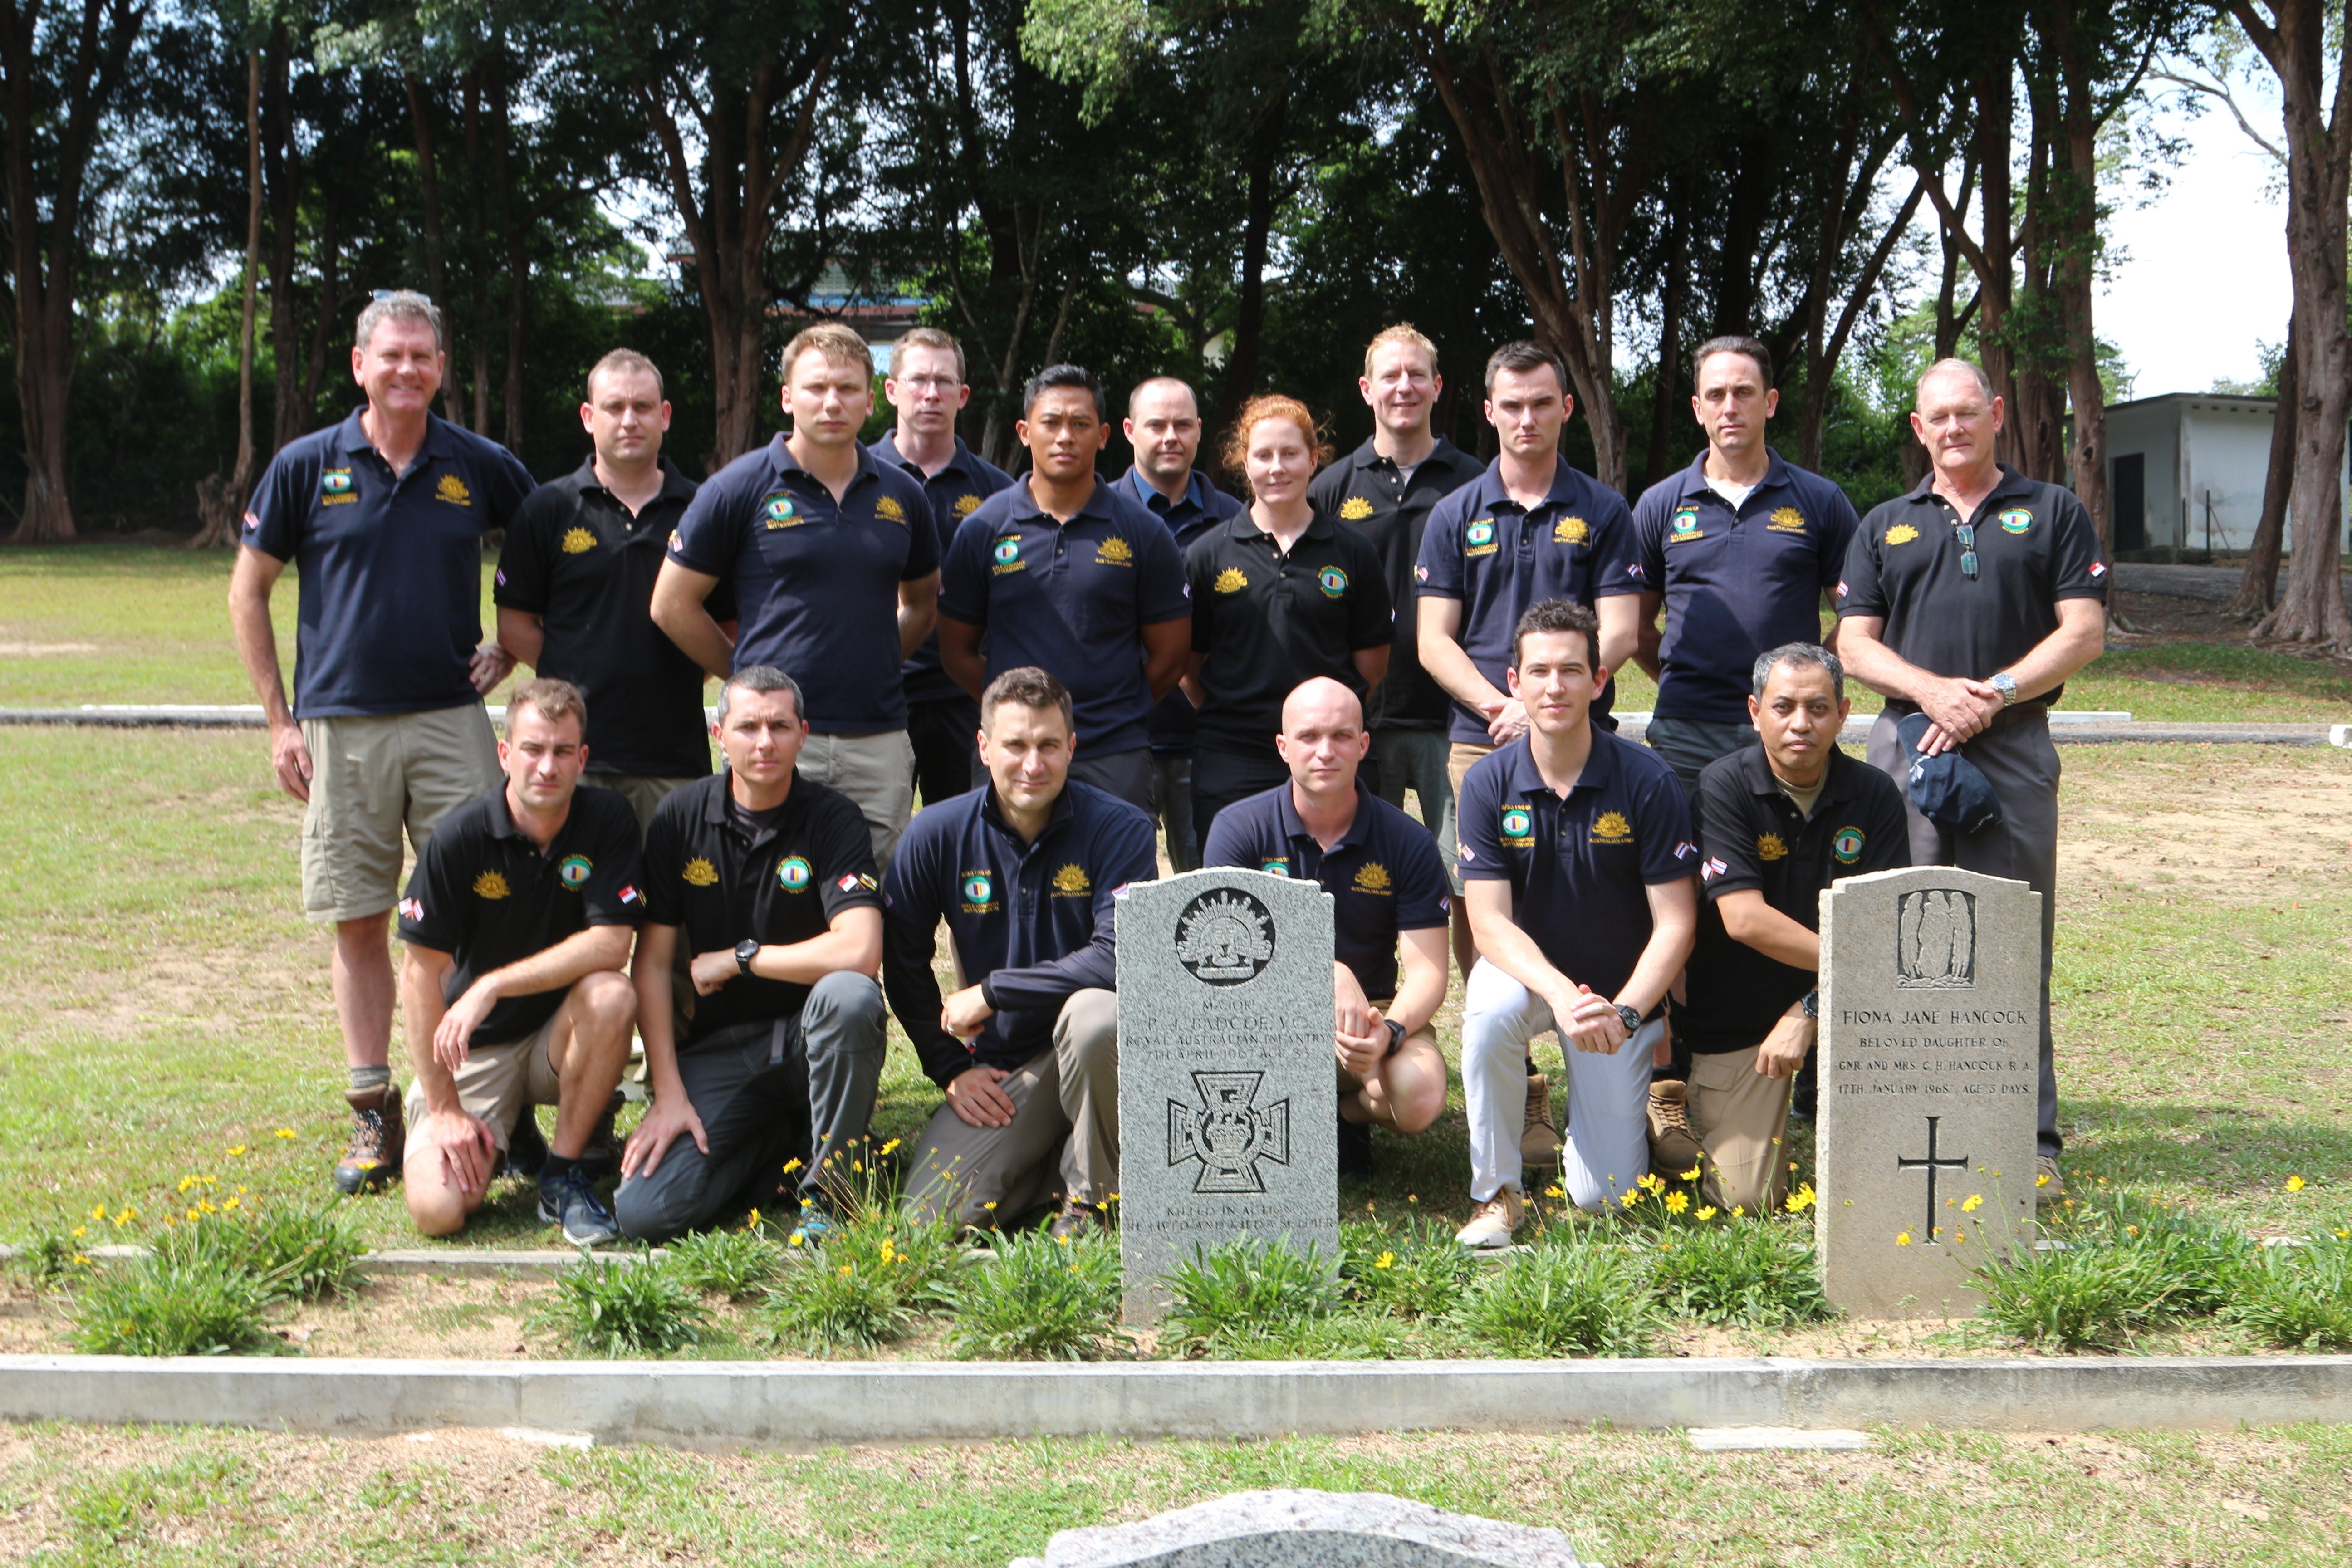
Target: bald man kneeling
[(1389, 908)]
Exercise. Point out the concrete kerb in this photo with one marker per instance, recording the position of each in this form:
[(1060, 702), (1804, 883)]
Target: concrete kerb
[(727, 1405)]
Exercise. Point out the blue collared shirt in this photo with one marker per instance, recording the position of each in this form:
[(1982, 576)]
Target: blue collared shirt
[(1383, 876), (816, 584), (1202, 508), (1737, 582), (1033, 923), (389, 568), (1071, 598), (1580, 865), (955, 492), (1483, 548)]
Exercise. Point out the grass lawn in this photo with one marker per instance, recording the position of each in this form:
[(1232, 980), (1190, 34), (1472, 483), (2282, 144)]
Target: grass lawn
[(1934, 1499)]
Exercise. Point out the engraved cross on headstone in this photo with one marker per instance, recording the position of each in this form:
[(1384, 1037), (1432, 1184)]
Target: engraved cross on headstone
[(1931, 1164)]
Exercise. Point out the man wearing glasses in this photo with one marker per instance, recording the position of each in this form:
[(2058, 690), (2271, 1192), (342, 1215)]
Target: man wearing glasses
[(1969, 601), (926, 386)]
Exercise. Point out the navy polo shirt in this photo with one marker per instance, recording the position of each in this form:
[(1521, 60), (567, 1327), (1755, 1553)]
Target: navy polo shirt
[(1383, 876), (1737, 582), (1033, 922), (816, 584), (2035, 545), (1071, 598), (1483, 548), (1201, 508), (1580, 868), (955, 492), (485, 894), (389, 568)]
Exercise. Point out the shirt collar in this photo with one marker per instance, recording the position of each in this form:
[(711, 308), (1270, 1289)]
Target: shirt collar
[(886, 450), (1240, 525), (1066, 806), (1196, 492), (780, 454), (1098, 506), (351, 435), (1358, 830), (674, 483), (1567, 485), (1600, 765), (2011, 482), (1837, 784), (1776, 473), (717, 808)]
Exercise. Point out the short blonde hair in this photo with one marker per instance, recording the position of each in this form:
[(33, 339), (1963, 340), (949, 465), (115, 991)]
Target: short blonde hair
[(624, 361), (1403, 333), (934, 339), (552, 699), (838, 345)]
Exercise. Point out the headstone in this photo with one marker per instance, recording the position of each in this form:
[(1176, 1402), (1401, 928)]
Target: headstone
[(1930, 1021), (1310, 1529), (1228, 1105)]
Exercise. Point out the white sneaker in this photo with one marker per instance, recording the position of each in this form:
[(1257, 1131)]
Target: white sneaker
[(1492, 1222)]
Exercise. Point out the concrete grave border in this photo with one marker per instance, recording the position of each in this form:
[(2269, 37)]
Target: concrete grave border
[(802, 1405)]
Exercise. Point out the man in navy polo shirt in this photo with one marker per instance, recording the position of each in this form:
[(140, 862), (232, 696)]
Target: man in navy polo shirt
[(1577, 863), (1163, 426), (1025, 873), (1063, 573), (1743, 547), (575, 586), (1388, 893), (835, 563), (927, 386), (1969, 601), (383, 515)]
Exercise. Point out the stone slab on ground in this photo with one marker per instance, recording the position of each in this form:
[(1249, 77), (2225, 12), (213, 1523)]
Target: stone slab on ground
[(1772, 1439), (808, 1406), (1931, 1001), (1305, 1528), (1228, 1103)]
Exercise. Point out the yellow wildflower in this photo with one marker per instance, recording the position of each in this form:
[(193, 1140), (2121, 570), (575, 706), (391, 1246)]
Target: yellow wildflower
[(2042, 1180), (1689, 1176), (1708, 1212), (1385, 1260), (1678, 1202), (235, 1151), (847, 1269), (1629, 1200), (891, 1146), (283, 1133), (752, 1220), (988, 1204), (1974, 1201), (791, 1165), (1801, 1199), (1738, 1210), (793, 1239), (2294, 1183), (1902, 1238)]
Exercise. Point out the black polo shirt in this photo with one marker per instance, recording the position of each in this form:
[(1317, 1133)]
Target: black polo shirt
[(1752, 835), (576, 558), (955, 492), (1033, 922), (389, 570), (1483, 548), (1267, 621), (2035, 546), (1071, 598), (1202, 507), (1383, 876), (1736, 581), (1371, 495), (485, 894), (1580, 866), (816, 584), (720, 885)]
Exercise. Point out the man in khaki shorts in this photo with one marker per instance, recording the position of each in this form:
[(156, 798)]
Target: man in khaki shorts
[(383, 515), (518, 920)]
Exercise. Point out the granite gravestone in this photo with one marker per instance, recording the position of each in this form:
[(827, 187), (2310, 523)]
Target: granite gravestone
[(1301, 1528), (1227, 1099), (1930, 1014)]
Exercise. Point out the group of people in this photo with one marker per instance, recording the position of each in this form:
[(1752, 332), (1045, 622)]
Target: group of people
[(1072, 671)]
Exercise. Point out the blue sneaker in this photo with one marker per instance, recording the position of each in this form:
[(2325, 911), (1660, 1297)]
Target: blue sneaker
[(570, 1201), (814, 1226)]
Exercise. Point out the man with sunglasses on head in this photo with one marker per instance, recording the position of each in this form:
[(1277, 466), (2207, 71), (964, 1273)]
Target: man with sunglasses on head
[(1967, 603)]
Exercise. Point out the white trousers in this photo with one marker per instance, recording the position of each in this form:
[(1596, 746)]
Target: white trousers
[(1607, 1149)]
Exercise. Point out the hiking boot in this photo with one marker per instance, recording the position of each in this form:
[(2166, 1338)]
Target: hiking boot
[(2046, 1177), (379, 1140), (1355, 1150), (1673, 1147), (526, 1148), (1539, 1134), (600, 1155), (1077, 1218), (1492, 1222), (569, 1200)]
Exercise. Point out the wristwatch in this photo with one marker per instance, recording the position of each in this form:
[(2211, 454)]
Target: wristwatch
[(745, 951), (1630, 1018), (1396, 1038), (1813, 1002), (2006, 684)]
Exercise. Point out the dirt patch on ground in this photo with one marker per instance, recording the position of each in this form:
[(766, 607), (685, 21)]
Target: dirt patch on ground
[(2237, 825)]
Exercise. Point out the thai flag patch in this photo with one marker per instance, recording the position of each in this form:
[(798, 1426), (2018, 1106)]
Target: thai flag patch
[(1685, 850), (412, 908), (629, 895), (1712, 870)]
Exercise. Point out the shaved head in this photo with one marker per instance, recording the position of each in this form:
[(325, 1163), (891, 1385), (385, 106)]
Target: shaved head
[(1321, 703)]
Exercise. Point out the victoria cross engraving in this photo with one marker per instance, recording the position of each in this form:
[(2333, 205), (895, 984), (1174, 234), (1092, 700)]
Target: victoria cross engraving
[(1931, 1164), (1228, 1132)]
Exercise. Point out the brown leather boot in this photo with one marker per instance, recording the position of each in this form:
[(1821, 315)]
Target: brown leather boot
[(378, 1139), (1673, 1147), (1539, 1133)]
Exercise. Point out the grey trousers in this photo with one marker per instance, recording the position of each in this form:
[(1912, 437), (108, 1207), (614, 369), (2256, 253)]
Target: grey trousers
[(2022, 765), (1415, 760), (1127, 775), (759, 1089), (1688, 745), (1065, 1125)]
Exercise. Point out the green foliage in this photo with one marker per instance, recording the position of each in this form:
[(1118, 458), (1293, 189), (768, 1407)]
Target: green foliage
[(1240, 1296), (1039, 1298), (1422, 1273), (640, 1306), (1742, 1271), (46, 1258), (1577, 1296), (300, 1252), (864, 1285), (735, 1264), (2112, 1274), (2298, 1297), (187, 1297)]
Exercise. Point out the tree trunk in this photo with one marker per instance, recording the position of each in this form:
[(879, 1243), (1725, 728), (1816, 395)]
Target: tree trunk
[(1821, 357), (2072, 228), (221, 509), (2258, 589), (518, 250), (1664, 403), (281, 185), (1262, 173), (428, 179)]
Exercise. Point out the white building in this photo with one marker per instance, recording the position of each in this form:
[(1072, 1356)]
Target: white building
[(2184, 472)]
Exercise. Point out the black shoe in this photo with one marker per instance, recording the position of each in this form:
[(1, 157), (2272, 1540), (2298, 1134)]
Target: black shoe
[(526, 1146), (1355, 1150), (570, 1201)]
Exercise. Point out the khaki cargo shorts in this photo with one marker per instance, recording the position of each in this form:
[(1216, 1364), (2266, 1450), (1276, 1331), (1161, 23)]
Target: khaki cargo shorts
[(371, 776), (500, 1083)]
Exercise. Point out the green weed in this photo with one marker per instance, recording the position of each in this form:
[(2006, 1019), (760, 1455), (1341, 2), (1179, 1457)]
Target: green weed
[(1422, 1273), (1235, 1298), (2298, 1297), (865, 1284), (1741, 1271), (2117, 1270), (1562, 1299), (186, 1297), (641, 1306), (47, 1259), (736, 1264), (1040, 1299), (302, 1252)]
